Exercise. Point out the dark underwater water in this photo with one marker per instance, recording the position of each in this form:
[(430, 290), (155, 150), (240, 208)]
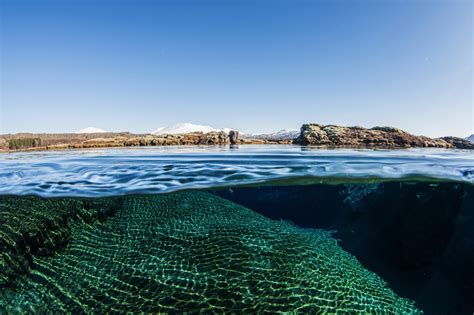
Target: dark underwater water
[(231, 231)]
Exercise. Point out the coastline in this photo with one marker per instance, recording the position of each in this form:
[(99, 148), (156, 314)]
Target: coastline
[(328, 136)]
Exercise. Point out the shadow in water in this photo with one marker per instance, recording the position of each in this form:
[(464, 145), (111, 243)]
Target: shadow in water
[(417, 236)]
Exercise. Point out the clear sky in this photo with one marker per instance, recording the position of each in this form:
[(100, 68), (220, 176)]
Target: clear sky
[(255, 66)]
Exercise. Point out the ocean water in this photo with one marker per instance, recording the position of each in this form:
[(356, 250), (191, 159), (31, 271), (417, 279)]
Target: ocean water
[(237, 229)]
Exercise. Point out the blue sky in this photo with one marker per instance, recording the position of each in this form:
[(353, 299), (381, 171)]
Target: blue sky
[(251, 65)]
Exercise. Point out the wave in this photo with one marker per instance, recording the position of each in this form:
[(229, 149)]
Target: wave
[(111, 172)]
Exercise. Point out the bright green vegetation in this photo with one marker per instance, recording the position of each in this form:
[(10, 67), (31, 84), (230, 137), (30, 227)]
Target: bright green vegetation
[(190, 251), (20, 143)]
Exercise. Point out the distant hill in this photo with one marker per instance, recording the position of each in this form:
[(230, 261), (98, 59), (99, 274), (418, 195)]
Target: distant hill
[(181, 128), (471, 138)]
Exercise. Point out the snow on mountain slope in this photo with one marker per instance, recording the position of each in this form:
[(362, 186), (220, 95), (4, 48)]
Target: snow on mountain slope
[(91, 130), (471, 138), (186, 128), (287, 133), (284, 134)]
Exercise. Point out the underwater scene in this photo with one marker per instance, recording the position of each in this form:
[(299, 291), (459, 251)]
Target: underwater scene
[(240, 229)]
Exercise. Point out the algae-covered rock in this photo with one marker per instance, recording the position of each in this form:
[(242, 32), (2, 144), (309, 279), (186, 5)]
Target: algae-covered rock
[(193, 251), (35, 226)]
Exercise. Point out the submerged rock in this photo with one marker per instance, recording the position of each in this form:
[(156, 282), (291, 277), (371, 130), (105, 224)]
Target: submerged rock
[(35, 226), (417, 235), (194, 251), (215, 137), (331, 135)]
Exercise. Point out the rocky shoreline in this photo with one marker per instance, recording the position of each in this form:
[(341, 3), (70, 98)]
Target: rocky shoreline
[(35, 142), (385, 137), (311, 134)]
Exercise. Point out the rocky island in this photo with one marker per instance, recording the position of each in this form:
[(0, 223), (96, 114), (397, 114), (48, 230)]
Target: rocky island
[(310, 134), (385, 137)]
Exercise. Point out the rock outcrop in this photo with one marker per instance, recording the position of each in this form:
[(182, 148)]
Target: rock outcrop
[(459, 143), (384, 137), (233, 136)]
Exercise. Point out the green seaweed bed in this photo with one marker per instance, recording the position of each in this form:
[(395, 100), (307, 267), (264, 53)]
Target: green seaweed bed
[(183, 251)]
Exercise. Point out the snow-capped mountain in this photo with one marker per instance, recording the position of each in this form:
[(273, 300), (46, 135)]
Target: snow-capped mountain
[(471, 138), (91, 130), (186, 128), (284, 134)]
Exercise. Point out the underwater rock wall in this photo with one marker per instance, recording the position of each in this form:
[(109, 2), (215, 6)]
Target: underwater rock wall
[(190, 251), (416, 235)]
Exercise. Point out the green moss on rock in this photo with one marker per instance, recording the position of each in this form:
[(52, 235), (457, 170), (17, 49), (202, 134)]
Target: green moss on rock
[(36, 226)]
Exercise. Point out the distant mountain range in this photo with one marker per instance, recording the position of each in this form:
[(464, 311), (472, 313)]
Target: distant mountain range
[(186, 128), (181, 128), (91, 130), (284, 134), (471, 138)]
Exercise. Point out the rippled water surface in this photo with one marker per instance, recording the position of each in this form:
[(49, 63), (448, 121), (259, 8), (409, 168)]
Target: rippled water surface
[(161, 169)]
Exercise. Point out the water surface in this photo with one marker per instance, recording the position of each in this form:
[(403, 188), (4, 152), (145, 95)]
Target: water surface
[(110, 172)]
